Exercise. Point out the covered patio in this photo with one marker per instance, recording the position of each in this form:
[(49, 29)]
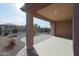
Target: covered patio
[(60, 17)]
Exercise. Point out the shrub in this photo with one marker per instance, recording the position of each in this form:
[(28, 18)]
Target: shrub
[(14, 30)]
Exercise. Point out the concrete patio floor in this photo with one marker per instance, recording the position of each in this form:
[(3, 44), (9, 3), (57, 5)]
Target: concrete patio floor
[(53, 46)]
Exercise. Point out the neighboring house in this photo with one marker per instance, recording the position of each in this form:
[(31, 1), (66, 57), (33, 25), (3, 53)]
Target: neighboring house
[(7, 28), (22, 28)]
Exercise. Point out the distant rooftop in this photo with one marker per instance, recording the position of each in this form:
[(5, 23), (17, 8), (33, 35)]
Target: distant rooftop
[(8, 24)]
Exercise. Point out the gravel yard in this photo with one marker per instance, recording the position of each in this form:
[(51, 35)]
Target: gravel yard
[(20, 44), (17, 48)]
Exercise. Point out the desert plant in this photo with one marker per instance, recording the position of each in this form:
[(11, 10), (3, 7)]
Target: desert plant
[(14, 30)]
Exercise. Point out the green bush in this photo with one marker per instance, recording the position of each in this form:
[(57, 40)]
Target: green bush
[(14, 30), (6, 34)]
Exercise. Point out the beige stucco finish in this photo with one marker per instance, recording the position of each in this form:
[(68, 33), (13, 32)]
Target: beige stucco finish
[(57, 12), (63, 29)]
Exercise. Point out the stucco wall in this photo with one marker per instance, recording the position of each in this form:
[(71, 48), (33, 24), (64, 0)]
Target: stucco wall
[(63, 29)]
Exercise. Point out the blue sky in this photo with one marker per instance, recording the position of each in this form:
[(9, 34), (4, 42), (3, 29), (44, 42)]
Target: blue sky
[(10, 13)]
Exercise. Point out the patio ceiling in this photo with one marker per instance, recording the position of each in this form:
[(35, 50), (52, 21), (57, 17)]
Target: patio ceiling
[(52, 12)]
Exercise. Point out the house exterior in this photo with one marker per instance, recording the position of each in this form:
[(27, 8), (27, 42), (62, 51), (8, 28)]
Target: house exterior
[(7, 28), (63, 17)]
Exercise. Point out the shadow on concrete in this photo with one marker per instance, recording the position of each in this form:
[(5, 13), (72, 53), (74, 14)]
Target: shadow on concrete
[(32, 52), (68, 38)]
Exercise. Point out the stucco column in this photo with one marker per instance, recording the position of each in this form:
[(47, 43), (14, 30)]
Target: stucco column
[(52, 28), (76, 29), (29, 30)]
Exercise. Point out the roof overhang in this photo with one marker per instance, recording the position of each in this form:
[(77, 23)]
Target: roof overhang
[(32, 7), (49, 11)]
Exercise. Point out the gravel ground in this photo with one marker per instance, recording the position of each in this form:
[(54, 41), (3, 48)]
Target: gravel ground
[(16, 49), (20, 44)]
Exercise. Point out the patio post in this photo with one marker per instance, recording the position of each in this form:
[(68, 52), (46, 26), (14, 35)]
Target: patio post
[(31, 51), (29, 30), (76, 29), (52, 28)]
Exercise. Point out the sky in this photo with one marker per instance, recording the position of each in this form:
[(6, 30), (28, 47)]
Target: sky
[(11, 13)]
